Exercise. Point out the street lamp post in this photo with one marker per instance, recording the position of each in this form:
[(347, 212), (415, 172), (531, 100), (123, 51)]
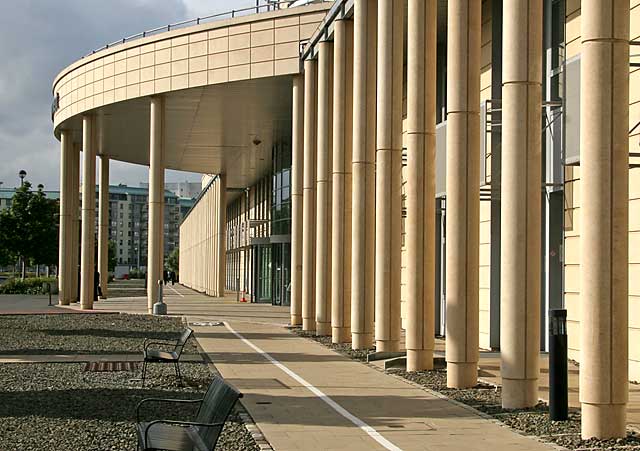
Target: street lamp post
[(22, 174)]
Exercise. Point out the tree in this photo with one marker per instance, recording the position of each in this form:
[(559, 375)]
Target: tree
[(113, 259), (173, 259), (30, 227)]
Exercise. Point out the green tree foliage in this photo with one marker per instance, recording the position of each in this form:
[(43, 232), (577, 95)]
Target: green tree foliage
[(113, 259), (29, 228), (172, 260)]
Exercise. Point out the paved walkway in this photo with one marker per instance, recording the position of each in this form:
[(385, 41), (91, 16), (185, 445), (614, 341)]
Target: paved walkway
[(304, 396)]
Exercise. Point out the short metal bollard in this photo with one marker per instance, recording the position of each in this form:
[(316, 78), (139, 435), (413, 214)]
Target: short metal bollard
[(160, 308), (46, 287), (558, 366)]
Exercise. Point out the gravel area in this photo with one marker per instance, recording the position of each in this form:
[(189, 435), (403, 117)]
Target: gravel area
[(85, 333), (344, 348), (59, 406), (487, 399)]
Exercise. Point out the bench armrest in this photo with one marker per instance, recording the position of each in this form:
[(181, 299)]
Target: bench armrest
[(181, 401), (178, 423), (159, 342)]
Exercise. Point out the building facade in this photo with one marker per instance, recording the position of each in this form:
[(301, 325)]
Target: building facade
[(395, 168)]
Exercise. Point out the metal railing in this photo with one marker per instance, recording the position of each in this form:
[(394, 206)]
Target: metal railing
[(270, 5)]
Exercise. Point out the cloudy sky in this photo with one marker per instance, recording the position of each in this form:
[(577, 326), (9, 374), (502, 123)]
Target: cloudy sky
[(38, 38)]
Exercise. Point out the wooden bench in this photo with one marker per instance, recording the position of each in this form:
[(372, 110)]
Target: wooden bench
[(201, 434)]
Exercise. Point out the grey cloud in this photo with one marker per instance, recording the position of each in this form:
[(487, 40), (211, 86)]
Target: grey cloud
[(38, 38)]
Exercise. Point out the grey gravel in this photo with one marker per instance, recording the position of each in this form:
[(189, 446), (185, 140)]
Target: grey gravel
[(343, 348), (54, 406), (85, 333)]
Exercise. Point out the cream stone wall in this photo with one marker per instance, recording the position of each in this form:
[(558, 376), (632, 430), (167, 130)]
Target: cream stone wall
[(485, 206), (572, 204), (199, 263), (247, 47)]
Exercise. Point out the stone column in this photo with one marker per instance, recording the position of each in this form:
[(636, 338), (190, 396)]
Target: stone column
[(309, 194), (323, 188), (604, 147), (66, 219), (75, 222), (297, 159), (103, 225), (421, 160), (221, 234), (341, 182), (520, 214), (389, 175), (155, 231), (363, 189), (463, 191), (87, 262)]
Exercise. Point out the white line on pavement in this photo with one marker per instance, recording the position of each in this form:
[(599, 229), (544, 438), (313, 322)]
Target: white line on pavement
[(334, 405), (176, 291)]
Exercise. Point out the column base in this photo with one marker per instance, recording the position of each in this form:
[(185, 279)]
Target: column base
[(419, 359), (361, 341), (86, 306), (308, 325), (462, 374), (323, 329), (604, 421), (296, 320), (519, 393), (340, 335), (387, 345), (64, 302)]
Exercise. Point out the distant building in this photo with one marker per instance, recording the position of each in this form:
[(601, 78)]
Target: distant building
[(186, 189), (128, 221)]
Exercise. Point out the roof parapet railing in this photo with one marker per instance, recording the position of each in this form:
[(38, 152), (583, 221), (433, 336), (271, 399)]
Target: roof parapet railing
[(271, 5)]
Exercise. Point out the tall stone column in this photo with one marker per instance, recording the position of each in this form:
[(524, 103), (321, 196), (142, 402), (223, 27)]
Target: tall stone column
[(323, 188), (309, 197), (66, 219), (389, 175), (463, 191), (421, 160), (221, 235), (604, 170), (75, 222), (103, 225), (155, 254), (365, 20), (297, 159), (520, 214), (341, 182), (87, 262)]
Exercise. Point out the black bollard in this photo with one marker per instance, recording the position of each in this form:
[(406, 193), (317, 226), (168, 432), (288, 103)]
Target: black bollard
[(558, 377)]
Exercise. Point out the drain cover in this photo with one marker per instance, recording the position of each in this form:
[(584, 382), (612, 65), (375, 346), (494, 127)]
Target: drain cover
[(207, 323), (106, 367)]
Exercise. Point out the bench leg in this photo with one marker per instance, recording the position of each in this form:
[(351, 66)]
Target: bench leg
[(144, 371), (178, 374)]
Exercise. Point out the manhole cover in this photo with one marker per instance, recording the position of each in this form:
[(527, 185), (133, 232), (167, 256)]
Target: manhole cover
[(106, 367), (207, 323)]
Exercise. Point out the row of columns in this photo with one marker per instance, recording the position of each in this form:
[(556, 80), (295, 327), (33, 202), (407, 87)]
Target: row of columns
[(70, 279), (203, 241), (368, 149)]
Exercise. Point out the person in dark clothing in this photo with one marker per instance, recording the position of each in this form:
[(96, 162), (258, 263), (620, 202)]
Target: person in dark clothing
[(172, 276), (165, 276), (97, 289)]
